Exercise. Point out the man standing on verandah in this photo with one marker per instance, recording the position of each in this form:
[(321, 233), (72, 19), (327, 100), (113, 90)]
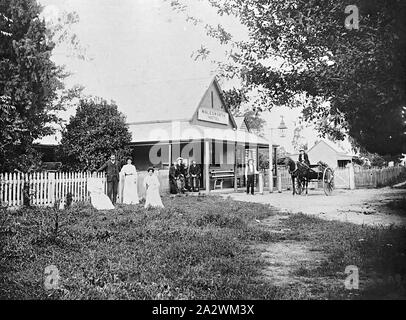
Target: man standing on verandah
[(113, 177), (194, 172), (250, 172)]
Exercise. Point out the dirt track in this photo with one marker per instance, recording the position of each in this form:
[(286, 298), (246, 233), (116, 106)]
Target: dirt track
[(362, 206), (285, 258)]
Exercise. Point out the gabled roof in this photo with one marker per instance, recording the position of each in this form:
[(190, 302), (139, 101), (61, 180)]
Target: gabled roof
[(341, 153), (240, 121), (171, 100), (223, 102)]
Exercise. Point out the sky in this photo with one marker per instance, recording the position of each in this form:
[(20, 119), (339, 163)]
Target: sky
[(131, 42)]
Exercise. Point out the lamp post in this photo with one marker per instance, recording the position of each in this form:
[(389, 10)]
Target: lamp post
[(282, 128)]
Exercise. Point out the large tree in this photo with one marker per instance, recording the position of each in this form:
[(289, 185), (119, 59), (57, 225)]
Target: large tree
[(29, 81), (97, 130), (348, 74)]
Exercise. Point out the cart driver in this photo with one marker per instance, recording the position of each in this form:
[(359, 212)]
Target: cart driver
[(303, 157)]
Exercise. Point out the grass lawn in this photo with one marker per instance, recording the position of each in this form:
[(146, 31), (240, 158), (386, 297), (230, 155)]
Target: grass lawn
[(195, 248), (379, 253)]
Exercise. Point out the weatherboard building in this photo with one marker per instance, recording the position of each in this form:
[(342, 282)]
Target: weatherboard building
[(190, 119)]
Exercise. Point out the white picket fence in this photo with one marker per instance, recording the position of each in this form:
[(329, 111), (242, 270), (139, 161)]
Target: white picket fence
[(45, 188)]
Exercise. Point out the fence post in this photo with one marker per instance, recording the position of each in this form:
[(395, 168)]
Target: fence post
[(7, 188), (261, 183), (26, 190), (40, 188), (12, 193), (1, 189), (279, 181), (51, 188), (352, 176), (376, 172), (82, 187)]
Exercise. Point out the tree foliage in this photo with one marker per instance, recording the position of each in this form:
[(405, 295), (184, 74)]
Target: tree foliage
[(235, 100), (305, 53), (29, 81), (97, 130), (60, 31), (255, 122)]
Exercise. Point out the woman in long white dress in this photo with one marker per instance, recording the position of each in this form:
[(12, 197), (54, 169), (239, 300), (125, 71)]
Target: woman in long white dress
[(151, 184), (98, 199), (129, 177)]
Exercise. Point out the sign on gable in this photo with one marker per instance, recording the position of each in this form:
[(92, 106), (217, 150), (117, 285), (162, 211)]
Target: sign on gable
[(213, 115)]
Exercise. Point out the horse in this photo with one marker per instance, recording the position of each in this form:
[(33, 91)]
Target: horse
[(299, 171)]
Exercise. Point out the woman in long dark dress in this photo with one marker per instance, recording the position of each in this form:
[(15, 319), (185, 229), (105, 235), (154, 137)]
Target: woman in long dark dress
[(173, 188), (180, 175)]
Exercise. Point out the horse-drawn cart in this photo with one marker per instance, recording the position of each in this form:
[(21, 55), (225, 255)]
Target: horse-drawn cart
[(303, 174)]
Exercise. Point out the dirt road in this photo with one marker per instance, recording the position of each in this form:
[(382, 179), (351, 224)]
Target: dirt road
[(383, 206), (288, 261)]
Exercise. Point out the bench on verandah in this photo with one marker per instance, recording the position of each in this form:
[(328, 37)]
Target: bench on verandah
[(220, 175)]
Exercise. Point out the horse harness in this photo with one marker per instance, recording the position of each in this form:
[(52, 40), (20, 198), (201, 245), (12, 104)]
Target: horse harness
[(294, 171)]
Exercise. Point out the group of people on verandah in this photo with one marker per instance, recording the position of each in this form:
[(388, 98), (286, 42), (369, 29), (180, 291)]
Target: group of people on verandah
[(184, 178), (129, 176)]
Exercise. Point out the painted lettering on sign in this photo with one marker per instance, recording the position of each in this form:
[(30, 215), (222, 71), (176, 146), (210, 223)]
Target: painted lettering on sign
[(213, 115)]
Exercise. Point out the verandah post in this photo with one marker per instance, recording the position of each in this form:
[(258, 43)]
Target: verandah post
[(206, 165), (235, 166), (170, 154), (270, 177), (351, 176)]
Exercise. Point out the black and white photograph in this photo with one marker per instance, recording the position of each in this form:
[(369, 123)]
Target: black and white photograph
[(181, 151)]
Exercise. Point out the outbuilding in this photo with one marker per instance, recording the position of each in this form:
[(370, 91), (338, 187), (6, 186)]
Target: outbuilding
[(325, 152)]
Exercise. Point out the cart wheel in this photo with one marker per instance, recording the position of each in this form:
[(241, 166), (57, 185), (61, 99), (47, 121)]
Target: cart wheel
[(328, 181), (299, 187)]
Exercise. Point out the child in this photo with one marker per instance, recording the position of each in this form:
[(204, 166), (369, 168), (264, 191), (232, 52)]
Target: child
[(151, 184)]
